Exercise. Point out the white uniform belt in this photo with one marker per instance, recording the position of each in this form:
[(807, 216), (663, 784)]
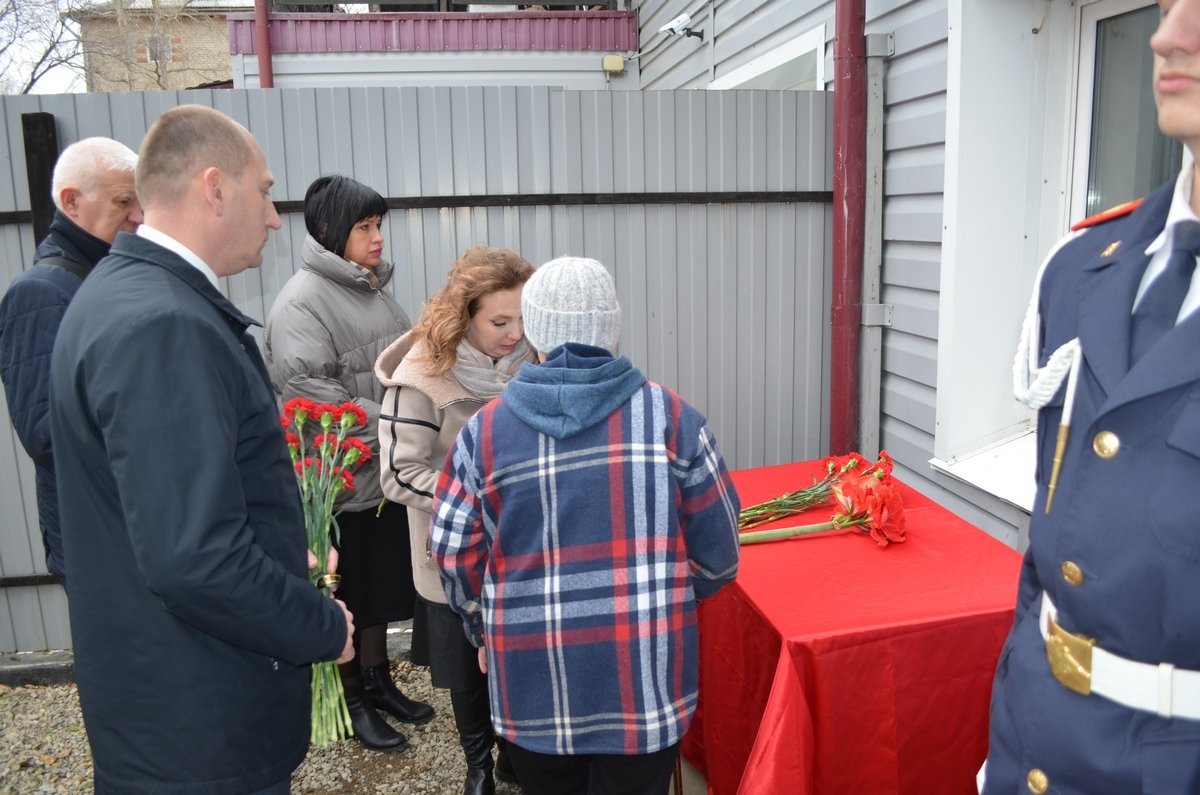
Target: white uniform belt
[(1162, 689)]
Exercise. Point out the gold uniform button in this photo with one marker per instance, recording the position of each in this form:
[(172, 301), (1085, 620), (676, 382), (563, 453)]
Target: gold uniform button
[(1037, 782), (1072, 573), (1106, 444)]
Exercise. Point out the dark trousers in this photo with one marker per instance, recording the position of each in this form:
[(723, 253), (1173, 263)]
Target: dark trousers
[(279, 788), (593, 774)]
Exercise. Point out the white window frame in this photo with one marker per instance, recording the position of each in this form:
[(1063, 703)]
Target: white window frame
[(1090, 15), (984, 437), (151, 52), (804, 45)]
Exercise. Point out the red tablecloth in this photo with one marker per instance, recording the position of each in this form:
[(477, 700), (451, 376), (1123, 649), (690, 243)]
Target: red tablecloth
[(834, 667)]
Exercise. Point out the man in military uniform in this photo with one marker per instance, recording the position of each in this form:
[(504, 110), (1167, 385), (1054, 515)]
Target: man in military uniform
[(1098, 686)]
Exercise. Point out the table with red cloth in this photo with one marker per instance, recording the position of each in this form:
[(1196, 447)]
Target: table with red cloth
[(835, 667)]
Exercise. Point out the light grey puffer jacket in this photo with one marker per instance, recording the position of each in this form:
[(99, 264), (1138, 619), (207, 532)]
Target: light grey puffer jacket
[(325, 330)]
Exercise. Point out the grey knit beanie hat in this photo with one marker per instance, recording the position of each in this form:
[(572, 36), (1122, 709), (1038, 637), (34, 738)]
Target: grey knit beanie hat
[(571, 299)]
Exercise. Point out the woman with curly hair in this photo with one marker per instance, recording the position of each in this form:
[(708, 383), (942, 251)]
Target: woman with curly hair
[(324, 332), (468, 344)]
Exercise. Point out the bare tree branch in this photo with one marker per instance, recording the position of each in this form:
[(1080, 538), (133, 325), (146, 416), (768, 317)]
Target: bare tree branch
[(126, 44), (35, 38), (62, 48)]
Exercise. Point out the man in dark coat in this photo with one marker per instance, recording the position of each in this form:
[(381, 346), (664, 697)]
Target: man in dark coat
[(94, 196), (1097, 688), (193, 619)]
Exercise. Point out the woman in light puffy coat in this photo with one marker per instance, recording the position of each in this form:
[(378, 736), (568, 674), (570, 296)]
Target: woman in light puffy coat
[(467, 345), (326, 328)]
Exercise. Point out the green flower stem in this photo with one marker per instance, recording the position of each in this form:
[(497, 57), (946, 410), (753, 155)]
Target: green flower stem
[(762, 536), (798, 501), (319, 489), (839, 522), (330, 714), (789, 504)]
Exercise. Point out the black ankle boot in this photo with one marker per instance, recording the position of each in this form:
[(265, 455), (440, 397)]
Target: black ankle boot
[(371, 729), (383, 694)]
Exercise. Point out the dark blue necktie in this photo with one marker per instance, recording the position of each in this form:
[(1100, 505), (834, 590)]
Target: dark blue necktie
[(1156, 313)]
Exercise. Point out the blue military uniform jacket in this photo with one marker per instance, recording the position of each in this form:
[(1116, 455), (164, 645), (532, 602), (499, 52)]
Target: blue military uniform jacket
[(1119, 554)]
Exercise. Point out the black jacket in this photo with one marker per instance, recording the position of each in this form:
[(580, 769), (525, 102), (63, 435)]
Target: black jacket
[(30, 313), (192, 616)]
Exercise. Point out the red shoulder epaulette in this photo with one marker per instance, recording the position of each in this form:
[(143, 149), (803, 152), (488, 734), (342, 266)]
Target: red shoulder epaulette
[(1108, 215)]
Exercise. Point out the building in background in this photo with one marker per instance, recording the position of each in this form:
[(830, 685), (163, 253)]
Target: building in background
[(154, 45), (575, 47)]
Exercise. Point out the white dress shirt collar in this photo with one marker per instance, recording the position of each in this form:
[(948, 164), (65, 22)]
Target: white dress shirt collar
[(171, 244), (1159, 249)]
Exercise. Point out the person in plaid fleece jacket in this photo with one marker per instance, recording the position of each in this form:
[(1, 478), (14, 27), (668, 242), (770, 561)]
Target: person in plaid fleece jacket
[(577, 520)]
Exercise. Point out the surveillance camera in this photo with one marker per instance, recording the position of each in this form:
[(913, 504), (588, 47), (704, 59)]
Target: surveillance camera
[(677, 26)]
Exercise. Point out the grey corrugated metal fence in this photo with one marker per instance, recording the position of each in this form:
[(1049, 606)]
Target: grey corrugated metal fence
[(710, 208)]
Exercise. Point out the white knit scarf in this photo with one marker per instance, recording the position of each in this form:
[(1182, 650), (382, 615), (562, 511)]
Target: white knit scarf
[(483, 377)]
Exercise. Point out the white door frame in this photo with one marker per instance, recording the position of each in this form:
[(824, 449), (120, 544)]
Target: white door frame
[(1088, 15)]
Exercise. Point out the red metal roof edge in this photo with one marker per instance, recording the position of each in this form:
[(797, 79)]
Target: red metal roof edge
[(434, 15), (555, 31)]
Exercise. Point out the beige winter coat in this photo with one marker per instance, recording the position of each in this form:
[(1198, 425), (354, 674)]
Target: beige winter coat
[(418, 422)]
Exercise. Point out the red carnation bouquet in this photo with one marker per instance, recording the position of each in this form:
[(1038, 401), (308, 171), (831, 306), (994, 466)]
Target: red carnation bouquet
[(324, 456), (865, 495)]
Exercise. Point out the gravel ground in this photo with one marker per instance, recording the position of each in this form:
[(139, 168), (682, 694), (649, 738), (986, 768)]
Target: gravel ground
[(44, 749)]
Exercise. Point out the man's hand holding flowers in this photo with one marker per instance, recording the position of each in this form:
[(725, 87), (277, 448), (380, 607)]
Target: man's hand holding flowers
[(331, 568)]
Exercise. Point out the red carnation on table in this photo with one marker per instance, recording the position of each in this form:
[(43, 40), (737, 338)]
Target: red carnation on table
[(847, 463), (867, 497), (873, 496), (819, 493)]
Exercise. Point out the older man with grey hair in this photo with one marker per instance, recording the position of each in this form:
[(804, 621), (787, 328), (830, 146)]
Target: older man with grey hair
[(94, 196)]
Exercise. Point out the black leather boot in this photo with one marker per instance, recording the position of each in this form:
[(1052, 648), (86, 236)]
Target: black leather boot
[(369, 727), (478, 749), (383, 694), (504, 768), (473, 719)]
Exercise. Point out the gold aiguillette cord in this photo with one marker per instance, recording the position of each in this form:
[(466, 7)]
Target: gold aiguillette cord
[(1064, 429)]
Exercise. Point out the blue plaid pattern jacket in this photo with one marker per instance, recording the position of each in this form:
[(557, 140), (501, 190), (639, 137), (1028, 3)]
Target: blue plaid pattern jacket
[(577, 520)]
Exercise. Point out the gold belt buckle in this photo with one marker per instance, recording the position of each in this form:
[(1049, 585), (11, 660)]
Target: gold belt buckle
[(1070, 658)]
